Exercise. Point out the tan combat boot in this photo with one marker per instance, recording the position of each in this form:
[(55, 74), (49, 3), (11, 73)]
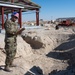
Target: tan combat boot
[(7, 69)]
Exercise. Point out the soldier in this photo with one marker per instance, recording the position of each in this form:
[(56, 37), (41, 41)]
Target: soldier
[(12, 31)]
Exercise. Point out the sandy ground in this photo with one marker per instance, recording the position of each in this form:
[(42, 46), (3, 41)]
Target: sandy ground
[(45, 47)]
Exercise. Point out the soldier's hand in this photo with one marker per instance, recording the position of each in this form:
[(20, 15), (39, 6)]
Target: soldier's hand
[(20, 31), (23, 29)]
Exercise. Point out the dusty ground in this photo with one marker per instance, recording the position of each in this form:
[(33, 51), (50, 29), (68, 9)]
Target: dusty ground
[(51, 50)]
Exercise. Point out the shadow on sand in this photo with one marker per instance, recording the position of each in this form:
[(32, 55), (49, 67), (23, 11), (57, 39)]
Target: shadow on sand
[(65, 51), (34, 71), (68, 45)]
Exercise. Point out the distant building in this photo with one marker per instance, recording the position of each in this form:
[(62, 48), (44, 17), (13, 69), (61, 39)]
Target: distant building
[(72, 19)]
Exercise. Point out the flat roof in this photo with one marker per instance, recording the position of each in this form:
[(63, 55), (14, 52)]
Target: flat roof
[(26, 2), (25, 7)]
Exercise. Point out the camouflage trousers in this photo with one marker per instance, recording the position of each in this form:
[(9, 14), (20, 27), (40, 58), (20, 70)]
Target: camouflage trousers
[(10, 48)]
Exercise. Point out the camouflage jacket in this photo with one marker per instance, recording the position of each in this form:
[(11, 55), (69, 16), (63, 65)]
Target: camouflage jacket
[(10, 28)]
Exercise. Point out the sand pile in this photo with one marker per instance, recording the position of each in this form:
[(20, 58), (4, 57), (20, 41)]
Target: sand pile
[(42, 51)]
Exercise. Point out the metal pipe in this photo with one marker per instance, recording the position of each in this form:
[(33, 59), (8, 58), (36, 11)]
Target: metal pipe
[(2, 17), (20, 17), (9, 5), (12, 1), (37, 17)]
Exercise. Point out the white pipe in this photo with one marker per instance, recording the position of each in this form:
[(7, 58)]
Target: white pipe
[(8, 5)]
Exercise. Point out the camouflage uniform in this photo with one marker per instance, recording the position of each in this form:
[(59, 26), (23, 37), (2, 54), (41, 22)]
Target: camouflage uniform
[(10, 41)]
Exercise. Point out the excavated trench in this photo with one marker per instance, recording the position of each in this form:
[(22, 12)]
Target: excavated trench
[(60, 52), (64, 50)]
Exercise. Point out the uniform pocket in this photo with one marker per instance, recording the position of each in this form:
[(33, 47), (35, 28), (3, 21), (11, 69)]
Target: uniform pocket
[(10, 40)]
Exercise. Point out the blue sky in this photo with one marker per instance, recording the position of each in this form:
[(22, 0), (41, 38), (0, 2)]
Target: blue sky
[(52, 9)]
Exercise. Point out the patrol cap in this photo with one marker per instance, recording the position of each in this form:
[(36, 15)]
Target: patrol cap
[(15, 14)]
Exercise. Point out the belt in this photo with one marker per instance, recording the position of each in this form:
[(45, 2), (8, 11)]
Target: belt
[(9, 35)]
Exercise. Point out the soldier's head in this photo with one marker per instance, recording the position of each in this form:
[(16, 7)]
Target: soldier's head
[(14, 16)]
